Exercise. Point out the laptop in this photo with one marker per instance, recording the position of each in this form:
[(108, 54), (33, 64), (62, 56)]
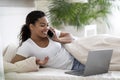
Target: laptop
[(97, 63)]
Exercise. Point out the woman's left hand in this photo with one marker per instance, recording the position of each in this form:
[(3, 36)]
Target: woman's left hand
[(42, 62)]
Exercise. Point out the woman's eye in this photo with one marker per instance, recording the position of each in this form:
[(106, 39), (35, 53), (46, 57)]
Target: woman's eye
[(42, 25)]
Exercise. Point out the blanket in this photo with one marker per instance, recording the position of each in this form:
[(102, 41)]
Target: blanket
[(79, 48)]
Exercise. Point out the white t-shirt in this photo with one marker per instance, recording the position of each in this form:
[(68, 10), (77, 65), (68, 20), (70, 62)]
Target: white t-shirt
[(58, 56)]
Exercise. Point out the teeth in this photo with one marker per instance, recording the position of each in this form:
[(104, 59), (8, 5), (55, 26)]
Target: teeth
[(45, 32)]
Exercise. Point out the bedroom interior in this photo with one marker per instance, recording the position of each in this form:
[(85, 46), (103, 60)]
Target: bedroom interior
[(12, 17)]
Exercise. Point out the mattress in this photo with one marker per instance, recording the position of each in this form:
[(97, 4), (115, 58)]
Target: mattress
[(57, 74)]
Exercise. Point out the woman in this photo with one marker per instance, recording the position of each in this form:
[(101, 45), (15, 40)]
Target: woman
[(49, 52)]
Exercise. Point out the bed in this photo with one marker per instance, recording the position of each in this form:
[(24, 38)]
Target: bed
[(13, 72), (57, 74)]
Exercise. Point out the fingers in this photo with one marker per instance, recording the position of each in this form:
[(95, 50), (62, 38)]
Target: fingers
[(52, 29), (44, 61), (54, 38), (46, 58)]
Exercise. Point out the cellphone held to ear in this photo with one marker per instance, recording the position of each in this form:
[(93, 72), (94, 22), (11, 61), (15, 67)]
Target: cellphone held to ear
[(50, 33)]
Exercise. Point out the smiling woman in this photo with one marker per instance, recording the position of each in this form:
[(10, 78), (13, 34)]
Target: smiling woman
[(48, 51)]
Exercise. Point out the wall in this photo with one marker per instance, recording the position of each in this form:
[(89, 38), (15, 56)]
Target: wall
[(42, 5), (12, 17)]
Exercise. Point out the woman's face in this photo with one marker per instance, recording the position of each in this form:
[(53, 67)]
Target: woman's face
[(40, 28)]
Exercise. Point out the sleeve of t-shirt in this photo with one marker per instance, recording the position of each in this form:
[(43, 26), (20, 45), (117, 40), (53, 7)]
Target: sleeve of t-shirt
[(24, 50), (57, 32)]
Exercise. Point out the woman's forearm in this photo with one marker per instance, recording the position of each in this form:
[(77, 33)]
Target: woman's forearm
[(17, 58), (65, 39)]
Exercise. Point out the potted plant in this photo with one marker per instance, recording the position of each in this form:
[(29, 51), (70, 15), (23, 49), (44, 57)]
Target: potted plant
[(77, 14)]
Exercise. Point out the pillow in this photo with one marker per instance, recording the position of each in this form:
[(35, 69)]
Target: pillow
[(10, 52), (27, 65), (9, 67)]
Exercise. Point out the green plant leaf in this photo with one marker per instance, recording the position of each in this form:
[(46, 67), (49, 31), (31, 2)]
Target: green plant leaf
[(77, 14)]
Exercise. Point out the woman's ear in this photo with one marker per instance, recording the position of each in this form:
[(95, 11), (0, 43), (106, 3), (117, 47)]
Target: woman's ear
[(31, 26)]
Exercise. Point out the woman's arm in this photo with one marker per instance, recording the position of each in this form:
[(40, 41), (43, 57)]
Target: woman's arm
[(63, 38), (38, 61), (17, 58)]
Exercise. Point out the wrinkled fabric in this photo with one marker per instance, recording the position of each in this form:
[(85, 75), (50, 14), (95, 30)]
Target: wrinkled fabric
[(79, 48)]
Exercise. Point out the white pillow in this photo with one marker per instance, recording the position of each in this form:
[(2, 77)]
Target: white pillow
[(10, 52), (27, 65), (9, 67)]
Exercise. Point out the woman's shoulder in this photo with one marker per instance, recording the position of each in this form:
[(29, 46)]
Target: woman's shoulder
[(26, 43)]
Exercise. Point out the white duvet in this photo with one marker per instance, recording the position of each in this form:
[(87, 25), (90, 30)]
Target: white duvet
[(79, 48)]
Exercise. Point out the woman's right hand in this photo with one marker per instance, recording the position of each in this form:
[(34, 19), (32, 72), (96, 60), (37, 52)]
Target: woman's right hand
[(42, 62)]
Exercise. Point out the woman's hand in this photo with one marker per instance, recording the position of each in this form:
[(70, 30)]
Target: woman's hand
[(54, 38), (40, 62), (63, 38)]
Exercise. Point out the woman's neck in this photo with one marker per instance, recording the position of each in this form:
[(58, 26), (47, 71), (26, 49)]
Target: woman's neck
[(41, 42), (38, 39)]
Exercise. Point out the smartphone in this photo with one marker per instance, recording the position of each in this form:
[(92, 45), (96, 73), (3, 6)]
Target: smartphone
[(50, 33)]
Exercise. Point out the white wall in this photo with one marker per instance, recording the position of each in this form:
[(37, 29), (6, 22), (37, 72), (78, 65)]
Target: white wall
[(42, 5), (16, 3), (12, 17)]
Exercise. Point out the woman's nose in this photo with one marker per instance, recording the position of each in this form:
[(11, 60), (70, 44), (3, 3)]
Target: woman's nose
[(47, 27)]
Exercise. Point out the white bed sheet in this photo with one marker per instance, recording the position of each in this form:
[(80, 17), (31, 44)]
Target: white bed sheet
[(57, 74)]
